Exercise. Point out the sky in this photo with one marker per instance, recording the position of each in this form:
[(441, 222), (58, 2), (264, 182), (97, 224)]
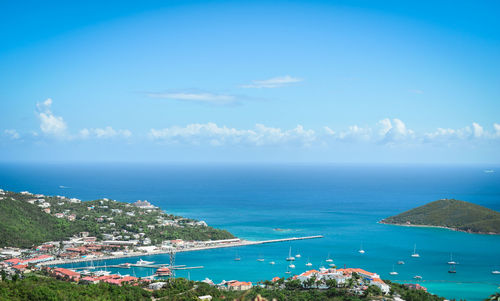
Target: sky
[(250, 81)]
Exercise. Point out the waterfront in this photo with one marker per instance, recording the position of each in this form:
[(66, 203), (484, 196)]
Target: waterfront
[(342, 203)]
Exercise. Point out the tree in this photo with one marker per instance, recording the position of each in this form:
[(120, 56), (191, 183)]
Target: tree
[(494, 297), (331, 283)]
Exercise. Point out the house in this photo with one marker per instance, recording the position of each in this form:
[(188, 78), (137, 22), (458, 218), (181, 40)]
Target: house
[(415, 286), (20, 268), (66, 274), (46, 210), (71, 217), (238, 285), (59, 215), (206, 297), (156, 285)]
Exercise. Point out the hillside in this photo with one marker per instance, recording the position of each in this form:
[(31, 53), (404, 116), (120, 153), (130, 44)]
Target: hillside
[(27, 220), (450, 213), (23, 224)]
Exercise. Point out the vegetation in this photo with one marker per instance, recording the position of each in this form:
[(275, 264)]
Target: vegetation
[(23, 223), (450, 213), (36, 287)]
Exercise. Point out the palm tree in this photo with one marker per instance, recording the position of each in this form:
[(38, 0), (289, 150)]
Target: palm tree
[(494, 297)]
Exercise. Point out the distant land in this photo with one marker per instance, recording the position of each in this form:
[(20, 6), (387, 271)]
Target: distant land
[(28, 219), (451, 214)]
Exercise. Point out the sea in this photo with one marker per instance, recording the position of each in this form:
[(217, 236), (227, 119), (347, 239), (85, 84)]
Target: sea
[(344, 203)]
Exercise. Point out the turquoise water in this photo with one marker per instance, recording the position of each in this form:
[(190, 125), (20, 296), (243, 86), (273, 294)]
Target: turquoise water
[(343, 203)]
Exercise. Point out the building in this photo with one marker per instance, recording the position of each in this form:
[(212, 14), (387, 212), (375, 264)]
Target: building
[(235, 285)]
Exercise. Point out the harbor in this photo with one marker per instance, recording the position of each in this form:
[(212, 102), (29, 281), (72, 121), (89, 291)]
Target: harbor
[(208, 245)]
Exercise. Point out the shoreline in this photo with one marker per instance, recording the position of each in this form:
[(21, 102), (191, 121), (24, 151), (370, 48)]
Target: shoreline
[(440, 227), (241, 243)]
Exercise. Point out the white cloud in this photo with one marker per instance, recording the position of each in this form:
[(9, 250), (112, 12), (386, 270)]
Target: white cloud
[(477, 130), (496, 126), (274, 82), (201, 97), (395, 130), (355, 133), (13, 134), (50, 124), (211, 133), (105, 133)]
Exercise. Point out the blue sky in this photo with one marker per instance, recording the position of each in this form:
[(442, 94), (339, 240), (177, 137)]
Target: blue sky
[(229, 81)]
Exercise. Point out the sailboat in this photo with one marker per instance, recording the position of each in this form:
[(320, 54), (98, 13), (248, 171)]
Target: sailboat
[(290, 257), (328, 259), (291, 265), (308, 263), (495, 272), (272, 262), (418, 277), (415, 254), (237, 258), (451, 262), (361, 251), (287, 270), (393, 271)]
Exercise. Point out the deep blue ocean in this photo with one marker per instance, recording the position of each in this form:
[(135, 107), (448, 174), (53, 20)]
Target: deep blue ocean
[(341, 202)]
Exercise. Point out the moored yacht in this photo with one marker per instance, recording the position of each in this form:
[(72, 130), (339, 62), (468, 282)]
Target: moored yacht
[(328, 259), (308, 263), (415, 254), (393, 271), (290, 257), (144, 262), (361, 251)]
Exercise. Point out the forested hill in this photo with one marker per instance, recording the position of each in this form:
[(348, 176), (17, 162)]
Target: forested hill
[(23, 224), (451, 213), (27, 219)]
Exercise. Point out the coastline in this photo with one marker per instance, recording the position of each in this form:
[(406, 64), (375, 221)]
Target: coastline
[(240, 243), (433, 226)]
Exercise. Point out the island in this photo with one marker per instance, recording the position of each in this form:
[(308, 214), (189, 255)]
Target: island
[(450, 214)]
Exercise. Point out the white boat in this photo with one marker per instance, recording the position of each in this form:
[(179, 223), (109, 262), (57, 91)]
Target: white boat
[(401, 262), (144, 262), (393, 271), (260, 259), (328, 259), (495, 272), (290, 257), (418, 277), (292, 266), (361, 251), (102, 273), (237, 258), (332, 265), (451, 262), (308, 264), (415, 254), (298, 256)]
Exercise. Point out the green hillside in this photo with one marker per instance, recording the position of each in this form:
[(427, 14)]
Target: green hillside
[(23, 224), (451, 213)]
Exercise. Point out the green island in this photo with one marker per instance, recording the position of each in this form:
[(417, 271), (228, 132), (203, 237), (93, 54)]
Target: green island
[(452, 214), (27, 219), (37, 286)]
